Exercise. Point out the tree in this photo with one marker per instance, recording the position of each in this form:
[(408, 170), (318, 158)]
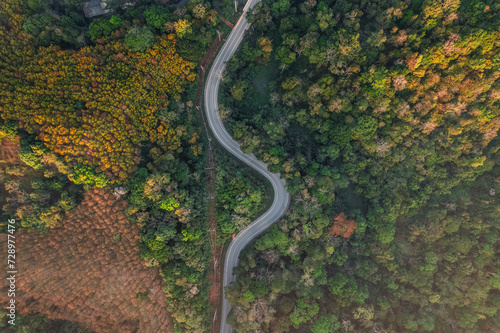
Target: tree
[(31, 154), (169, 204), (304, 311), (265, 45), (495, 281), (156, 17), (138, 39), (165, 231), (100, 27), (86, 175), (285, 56), (39, 5), (325, 324), (183, 28), (366, 128), (273, 238), (248, 296), (238, 89), (342, 226), (200, 11), (280, 8)]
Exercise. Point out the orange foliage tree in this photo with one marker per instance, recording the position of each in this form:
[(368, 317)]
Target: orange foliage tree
[(93, 106), (342, 226)]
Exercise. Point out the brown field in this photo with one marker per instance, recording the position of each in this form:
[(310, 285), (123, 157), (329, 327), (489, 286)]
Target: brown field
[(9, 150), (89, 271)]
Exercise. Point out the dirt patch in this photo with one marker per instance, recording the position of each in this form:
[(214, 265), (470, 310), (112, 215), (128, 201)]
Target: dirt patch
[(89, 270), (9, 150), (229, 24)]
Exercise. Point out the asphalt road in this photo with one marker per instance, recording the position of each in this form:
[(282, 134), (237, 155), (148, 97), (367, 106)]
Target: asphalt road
[(281, 196)]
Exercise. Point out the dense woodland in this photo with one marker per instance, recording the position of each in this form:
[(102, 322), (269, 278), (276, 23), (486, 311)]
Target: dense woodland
[(108, 102), (41, 324), (383, 117), (95, 105), (241, 196)]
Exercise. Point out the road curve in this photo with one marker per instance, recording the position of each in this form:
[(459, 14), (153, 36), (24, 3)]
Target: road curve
[(281, 196)]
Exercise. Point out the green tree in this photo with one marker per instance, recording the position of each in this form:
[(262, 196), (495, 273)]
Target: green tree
[(100, 27), (248, 296), (303, 312), (366, 128), (169, 204), (325, 324), (156, 17), (139, 39), (284, 56), (83, 174)]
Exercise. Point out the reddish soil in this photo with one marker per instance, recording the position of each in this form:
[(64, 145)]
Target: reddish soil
[(9, 150), (89, 270), (226, 22), (204, 63), (214, 295)]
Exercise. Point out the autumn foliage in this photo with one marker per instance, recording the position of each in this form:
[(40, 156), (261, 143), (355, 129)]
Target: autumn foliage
[(89, 270), (95, 105), (342, 226)]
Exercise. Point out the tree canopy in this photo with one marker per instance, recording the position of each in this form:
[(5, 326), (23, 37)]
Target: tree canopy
[(383, 118)]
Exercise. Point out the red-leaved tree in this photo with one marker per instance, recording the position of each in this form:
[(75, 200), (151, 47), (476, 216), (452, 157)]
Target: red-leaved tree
[(342, 226)]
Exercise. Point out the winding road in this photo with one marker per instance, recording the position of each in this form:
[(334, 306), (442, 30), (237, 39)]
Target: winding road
[(281, 196)]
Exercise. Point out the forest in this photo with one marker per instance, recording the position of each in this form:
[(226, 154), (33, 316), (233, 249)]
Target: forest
[(107, 104), (241, 196), (383, 117), (38, 323)]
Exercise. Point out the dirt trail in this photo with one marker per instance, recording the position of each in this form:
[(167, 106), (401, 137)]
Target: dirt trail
[(215, 278)]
